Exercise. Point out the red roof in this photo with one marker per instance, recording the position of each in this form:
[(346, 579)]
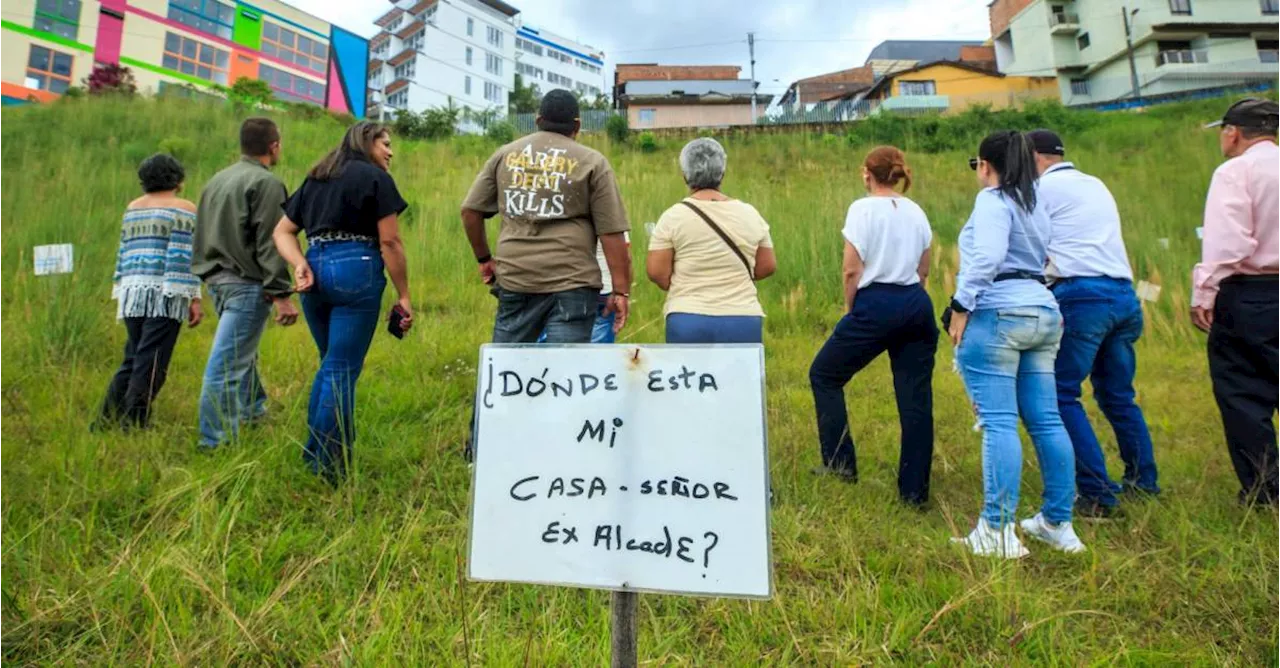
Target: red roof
[(396, 86), (390, 16)]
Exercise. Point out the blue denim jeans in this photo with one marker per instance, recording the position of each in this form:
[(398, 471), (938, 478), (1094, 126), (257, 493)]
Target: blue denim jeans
[(694, 328), (1102, 320), (1006, 358), (557, 317), (602, 330), (343, 310), (232, 393)]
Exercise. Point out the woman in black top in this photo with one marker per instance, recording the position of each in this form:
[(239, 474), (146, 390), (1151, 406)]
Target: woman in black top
[(349, 207)]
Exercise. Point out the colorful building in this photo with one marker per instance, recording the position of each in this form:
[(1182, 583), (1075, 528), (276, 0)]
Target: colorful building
[(947, 86), (52, 45)]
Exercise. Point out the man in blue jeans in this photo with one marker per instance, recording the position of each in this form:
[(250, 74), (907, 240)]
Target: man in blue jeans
[(1102, 320), (236, 257)]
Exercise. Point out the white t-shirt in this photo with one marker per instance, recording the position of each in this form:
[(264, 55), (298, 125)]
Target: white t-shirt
[(604, 266), (890, 234)]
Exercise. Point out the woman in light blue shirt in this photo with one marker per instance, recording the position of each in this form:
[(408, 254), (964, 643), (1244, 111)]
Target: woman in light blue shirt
[(1007, 328)]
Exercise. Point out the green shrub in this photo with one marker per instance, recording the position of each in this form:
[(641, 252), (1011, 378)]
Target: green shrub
[(501, 132), (647, 142), (935, 133), (618, 129), (182, 148), (135, 152)]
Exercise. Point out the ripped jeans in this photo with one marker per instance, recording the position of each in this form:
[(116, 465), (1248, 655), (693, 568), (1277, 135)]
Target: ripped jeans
[(1007, 359)]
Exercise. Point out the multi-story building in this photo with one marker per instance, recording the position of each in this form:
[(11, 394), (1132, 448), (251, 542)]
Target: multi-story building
[(52, 45), (545, 60), (434, 53), (686, 96), (1177, 45)]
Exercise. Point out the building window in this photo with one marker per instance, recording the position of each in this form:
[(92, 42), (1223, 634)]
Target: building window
[(407, 69), (375, 78), (493, 93), (48, 70), (646, 116), (208, 16), (530, 46), (1083, 41), (466, 85), (382, 49), (917, 88), (492, 63), (1268, 50), (195, 58), (396, 23), (562, 81), (587, 89), (529, 71), (1080, 87), (1269, 7), (494, 36), (468, 56), (471, 27), (584, 65), (398, 99), (291, 86), (418, 41), (293, 47), (1179, 53), (60, 17), (1180, 7)]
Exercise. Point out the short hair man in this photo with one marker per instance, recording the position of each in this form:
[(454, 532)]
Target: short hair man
[(236, 257), (1102, 320), (1235, 291), (556, 197)]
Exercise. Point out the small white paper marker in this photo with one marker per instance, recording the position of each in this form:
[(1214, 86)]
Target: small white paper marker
[(1200, 233), (1164, 243), (1148, 291), (54, 259)]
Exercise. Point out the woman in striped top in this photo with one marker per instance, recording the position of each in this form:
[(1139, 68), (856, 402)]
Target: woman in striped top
[(154, 289)]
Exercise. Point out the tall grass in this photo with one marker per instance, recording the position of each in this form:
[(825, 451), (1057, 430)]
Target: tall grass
[(130, 549)]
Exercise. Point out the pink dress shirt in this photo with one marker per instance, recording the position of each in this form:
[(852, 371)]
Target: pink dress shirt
[(1241, 221)]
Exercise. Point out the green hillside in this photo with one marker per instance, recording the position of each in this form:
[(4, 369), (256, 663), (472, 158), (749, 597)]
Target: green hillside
[(137, 549)]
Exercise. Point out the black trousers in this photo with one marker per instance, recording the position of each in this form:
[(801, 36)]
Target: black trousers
[(897, 319), (1242, 364), (142, 373)]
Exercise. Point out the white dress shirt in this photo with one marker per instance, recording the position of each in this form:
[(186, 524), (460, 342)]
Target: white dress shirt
[(1085, 238)]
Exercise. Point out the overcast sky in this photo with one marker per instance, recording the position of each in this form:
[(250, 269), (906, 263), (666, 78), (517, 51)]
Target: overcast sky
[(794, 38)]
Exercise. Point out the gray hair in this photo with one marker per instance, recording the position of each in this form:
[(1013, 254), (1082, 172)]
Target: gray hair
[(702, 161)]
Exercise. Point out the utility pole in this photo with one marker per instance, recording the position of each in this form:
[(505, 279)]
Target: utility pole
[(1128, 39), (751, 48)]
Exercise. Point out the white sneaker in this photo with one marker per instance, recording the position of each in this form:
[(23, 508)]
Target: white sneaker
[(1060, 537), (987, 541)]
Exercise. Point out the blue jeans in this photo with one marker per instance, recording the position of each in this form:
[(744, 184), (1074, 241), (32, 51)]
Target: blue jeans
[(1103, 319), (1006, 358), (343, 311), (602, 330), (897, 319), (694, 328), (232, 393)]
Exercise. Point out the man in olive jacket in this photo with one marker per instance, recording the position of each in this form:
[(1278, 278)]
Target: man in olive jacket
[(236, 258)]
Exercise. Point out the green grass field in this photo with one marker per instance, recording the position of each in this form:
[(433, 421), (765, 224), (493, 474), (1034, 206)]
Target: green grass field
[(133, 549)]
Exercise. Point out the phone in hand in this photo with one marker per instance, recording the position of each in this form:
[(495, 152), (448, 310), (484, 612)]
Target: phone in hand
[(394, 321)]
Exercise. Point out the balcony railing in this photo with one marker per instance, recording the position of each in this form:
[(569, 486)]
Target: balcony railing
[(1269, 55), (1183, 57), (1063, 19)]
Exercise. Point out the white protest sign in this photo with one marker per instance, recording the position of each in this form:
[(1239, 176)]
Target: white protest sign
[(53, 259), (622, 467), (1147, 291)]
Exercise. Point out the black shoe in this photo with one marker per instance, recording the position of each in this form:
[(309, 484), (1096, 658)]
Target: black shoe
[(845, 475), (1256, 500), (1092, 509)]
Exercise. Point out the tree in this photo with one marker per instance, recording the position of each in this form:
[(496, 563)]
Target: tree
[(251, 93), (111, 79), (523, 100), (484, 117)]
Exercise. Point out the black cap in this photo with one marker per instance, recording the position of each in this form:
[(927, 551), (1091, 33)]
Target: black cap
[(1046, 142), (558, 111), (1250, 112)]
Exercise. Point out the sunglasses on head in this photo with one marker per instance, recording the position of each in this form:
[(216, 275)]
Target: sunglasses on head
[(973, 164)]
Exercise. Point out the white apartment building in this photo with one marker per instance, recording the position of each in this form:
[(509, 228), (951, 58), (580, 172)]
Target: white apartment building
[(431, 53), (545, 61), (1178, 45)]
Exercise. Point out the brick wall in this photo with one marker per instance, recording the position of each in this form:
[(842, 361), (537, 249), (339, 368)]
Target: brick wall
[(1001, 12), (654, 72)]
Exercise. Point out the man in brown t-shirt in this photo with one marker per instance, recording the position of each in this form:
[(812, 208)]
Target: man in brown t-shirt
[(556, 197)]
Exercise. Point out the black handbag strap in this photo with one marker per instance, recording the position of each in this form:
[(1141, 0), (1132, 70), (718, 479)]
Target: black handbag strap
[(732, 246)]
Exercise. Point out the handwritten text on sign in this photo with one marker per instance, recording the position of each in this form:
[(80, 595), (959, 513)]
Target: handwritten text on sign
[(623, 468)]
